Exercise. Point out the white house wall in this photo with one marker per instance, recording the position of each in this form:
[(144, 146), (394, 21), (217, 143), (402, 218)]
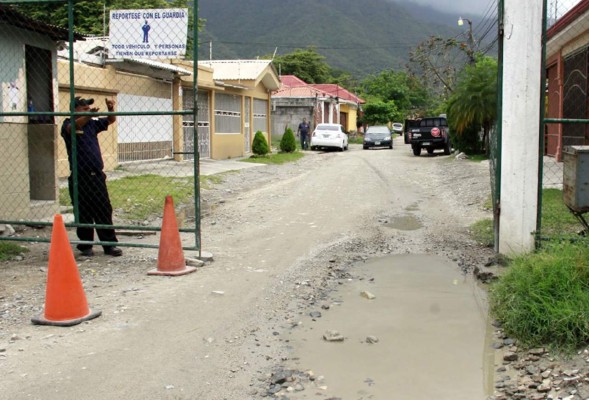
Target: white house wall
[(145, 128), (12, 71)]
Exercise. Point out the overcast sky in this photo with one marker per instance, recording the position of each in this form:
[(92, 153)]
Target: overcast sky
[(458, 6), (482, 7)]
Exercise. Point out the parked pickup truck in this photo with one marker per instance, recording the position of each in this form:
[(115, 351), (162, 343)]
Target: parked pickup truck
[(429, 133)]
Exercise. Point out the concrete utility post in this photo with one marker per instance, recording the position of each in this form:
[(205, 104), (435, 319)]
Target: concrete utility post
[(520, 125), (471, 43)]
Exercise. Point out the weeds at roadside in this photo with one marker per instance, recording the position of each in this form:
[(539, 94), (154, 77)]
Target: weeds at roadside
[(482, 232), (543, 298), (9, 250)]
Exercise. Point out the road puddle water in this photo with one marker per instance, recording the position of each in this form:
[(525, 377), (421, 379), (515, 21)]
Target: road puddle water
[(404, 223), (431, 329)]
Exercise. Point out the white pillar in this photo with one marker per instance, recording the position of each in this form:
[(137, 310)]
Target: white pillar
[(520, 124)]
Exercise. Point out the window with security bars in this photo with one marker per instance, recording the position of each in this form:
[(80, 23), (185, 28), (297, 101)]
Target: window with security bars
[(260, 115), (227, 113)]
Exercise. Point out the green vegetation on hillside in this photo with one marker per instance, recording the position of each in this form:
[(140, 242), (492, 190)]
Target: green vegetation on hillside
[(358, 37)]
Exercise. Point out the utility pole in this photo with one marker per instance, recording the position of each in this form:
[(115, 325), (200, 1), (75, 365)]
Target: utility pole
[(471, 42)]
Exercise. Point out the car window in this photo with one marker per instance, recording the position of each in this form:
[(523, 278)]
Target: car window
[(323, 127), (377, 129)]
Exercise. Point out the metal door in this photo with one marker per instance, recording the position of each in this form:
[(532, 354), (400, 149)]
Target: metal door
[(203, 124)]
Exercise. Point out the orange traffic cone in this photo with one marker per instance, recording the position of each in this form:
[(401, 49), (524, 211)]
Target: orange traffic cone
[(170, 260), (65, 300)]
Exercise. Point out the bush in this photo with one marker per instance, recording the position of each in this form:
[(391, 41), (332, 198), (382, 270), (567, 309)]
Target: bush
[(288, 143), (260, 145), (468, 141), (543, 299)]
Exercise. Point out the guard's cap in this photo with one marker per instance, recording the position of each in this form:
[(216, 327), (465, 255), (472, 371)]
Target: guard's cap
[(80, 102)]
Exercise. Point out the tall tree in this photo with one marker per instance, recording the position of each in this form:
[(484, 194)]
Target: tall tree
[(306, 64), (404, 90), (474, 100), (436, 62), (380, 112)]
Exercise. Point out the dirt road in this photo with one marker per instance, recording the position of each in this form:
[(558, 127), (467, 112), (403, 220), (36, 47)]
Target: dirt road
[(285, 240)]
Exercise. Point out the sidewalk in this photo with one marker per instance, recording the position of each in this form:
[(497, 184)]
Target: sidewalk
[(212, 167), (180, 168)]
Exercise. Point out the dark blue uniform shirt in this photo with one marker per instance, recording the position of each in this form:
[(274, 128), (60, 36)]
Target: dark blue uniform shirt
[(89, 155)]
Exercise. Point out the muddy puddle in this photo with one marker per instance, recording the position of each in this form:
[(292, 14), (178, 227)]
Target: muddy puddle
[(430, 325)]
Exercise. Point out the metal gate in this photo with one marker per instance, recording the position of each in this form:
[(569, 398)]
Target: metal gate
[(203, 125), (45, 159)]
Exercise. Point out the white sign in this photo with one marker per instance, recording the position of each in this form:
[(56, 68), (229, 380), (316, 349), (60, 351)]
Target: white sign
[(150, 33)]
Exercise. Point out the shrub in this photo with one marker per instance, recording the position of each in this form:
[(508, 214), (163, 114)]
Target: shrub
[(288, 143), (260, 145)]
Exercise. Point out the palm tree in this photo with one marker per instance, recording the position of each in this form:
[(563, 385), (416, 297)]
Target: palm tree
[(473, 102)]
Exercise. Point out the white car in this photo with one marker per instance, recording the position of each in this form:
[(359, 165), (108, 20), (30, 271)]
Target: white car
[(329, 136), (397, 127)]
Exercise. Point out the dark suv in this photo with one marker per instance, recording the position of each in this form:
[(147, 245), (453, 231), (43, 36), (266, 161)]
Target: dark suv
[(429, 133)]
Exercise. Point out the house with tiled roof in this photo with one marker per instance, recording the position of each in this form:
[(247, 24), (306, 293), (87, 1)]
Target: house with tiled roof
[(240, 104), (318, 103), (567, 69)]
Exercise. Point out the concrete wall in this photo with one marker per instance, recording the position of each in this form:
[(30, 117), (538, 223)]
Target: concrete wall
[(289, 112)]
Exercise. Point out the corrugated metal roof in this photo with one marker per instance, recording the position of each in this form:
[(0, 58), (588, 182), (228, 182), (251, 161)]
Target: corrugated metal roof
[(151, 63), (236, 69)]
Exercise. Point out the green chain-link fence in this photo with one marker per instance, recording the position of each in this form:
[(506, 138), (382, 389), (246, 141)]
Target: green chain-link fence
[(565, 117), (131, 91)]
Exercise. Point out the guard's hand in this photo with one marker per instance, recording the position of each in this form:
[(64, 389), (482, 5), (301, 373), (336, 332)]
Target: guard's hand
[(94, 109), (110, 104)]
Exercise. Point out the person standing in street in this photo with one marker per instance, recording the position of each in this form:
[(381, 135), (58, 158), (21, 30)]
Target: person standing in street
[(303, 131), (93, 200)]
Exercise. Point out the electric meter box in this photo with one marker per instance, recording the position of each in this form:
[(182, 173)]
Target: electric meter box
[(575, 183)]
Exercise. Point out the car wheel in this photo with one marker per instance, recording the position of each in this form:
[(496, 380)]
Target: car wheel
[(416, 151), (430, 151), (448, 148), (365, 147), (391, 147)]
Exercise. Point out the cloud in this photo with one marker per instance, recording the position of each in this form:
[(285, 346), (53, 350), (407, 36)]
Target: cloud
[(466, 7)]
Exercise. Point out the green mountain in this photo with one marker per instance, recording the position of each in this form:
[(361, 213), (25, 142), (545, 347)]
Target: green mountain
[(360, 37)]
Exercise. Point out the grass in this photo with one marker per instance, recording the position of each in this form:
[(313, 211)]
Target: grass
[(482, 232), (139, 197), (356, 139), (543, 298), (9, 250), (557, 220), (478, 157), (275, 158)]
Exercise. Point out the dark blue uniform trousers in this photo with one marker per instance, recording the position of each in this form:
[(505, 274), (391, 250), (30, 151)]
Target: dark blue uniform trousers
[(94, 207)]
